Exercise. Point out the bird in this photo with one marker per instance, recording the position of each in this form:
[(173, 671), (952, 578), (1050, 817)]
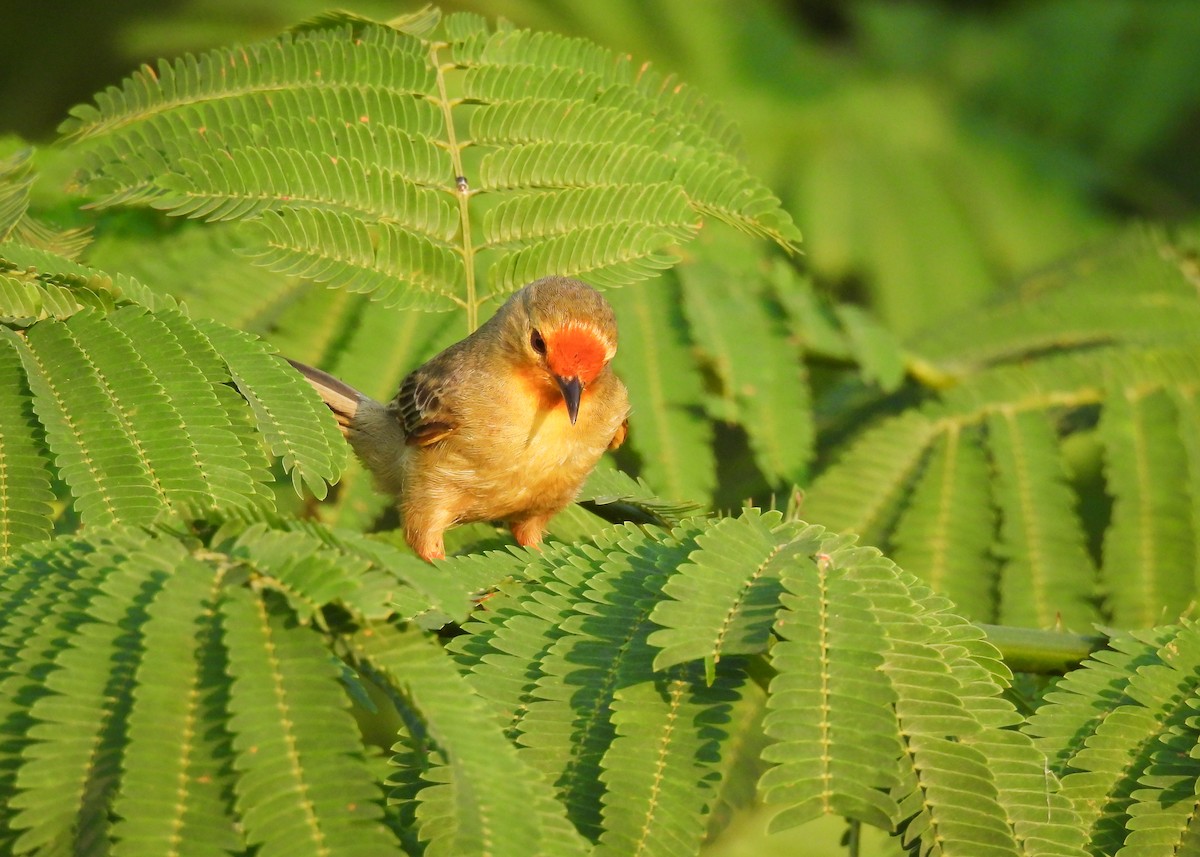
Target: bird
[(504, 425)]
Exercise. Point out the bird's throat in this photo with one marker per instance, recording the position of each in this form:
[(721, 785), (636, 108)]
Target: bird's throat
[(543, 395)]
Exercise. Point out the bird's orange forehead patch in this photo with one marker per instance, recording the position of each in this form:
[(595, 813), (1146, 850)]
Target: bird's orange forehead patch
[(576, 351)]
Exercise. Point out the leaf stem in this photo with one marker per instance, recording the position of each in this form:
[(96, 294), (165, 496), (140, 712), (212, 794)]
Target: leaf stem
[(1029, 650), (462, 189), (1024, 650)]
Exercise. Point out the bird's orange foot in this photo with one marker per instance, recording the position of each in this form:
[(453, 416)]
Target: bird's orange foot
[(529, 532), (427, 545)]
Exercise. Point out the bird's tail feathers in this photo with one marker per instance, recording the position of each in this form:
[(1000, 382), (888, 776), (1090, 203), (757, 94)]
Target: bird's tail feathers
[(338, 396)]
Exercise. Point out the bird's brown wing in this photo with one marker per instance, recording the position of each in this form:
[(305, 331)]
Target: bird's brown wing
[(421, 408)]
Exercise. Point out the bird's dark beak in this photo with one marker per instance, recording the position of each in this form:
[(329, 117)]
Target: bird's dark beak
[(572, 389)]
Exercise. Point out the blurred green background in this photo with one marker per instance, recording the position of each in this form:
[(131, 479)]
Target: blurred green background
[(931, 152)]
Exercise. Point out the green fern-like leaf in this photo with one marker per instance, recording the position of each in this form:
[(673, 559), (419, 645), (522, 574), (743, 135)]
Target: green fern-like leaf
[(108, 472), (1188, 405), (880, 486), (245, 182), (830, 703), (1115, 726), (571, 164), (812, 318), (1162, 816), (504, 648), (398, 152), (222, 478), (1149, 547), (673, 442), (131, 404), (927, 214), (949, 524), (341, 142), (302, 781), (608, 486), (28, 299), (522, 818), (199, 349), (561, 715), (723, 601), (398, 268), (220, 283), (1086, 696), (172, 783), (1037, 419), (525, 219), (71, 763), (887, 708), (161, 425), (67, 243), (16, 177), (17, 225), (603, 650), (160, 695), (313, 566), (134, 402), (286, 410), (658, 783), (1047, 575), (552, 654), (764, 388), (562, 710), (511, 49), (947, 791), (873, 346), (607, 256), (1132, 290), (45, 592), (19, 257), (1042, 818), (40, 283), (303, 570), (886, 457), (25, 495)]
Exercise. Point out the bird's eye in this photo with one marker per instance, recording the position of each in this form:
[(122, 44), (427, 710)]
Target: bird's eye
[(537, 343)]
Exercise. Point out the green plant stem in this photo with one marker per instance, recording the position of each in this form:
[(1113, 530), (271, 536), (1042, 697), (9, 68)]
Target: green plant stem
[(462, 189), (853, 837), (1024, 650), (1028, 650)]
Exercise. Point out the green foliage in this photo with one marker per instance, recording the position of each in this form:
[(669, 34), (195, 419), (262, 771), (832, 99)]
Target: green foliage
[(133, 405), (197, 658), (414, 137), (1031, 403), (1135, 700), (166, 711), (884, 705)]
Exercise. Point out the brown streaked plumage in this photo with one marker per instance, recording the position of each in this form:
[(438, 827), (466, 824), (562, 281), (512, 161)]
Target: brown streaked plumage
[(504, 425)]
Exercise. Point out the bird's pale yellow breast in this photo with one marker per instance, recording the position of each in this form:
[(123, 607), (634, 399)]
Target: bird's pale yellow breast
[(551, 438)]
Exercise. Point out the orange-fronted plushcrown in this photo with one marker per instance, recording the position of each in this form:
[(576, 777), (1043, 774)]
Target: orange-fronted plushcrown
[(503, 425)]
